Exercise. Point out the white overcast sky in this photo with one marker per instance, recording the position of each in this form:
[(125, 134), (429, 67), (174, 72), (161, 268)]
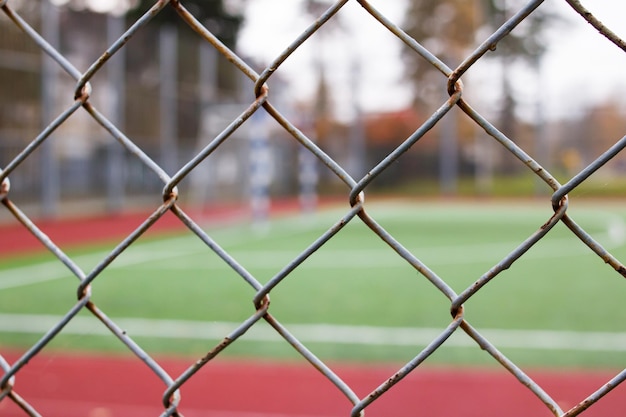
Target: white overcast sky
[(581, 66), (355, 48)]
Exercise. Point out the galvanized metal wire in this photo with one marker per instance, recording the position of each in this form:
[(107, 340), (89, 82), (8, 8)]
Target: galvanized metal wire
[(356, 189)]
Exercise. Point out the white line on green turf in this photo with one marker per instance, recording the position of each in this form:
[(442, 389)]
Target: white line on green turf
[(322, 333), (52, 270), (163, 249), (149, 254), (382, 258)]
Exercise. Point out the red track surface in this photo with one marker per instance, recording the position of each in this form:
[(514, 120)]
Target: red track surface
[(79, 231), (77, 385), (62, 385)]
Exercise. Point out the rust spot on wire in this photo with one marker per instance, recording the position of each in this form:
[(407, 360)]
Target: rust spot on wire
[(5, 186), (83, 94), (263, 91), (170, 195), (263, 304)]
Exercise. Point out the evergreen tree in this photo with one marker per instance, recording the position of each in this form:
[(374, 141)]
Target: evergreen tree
[(220, 21), (451, 29)]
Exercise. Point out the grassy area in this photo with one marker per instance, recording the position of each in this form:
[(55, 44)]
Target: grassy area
[(517, 186), (355, 279)]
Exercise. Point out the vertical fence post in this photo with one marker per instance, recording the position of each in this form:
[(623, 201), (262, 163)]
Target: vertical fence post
[(356, 141), (448, 152), (448, 158), (208, 97), (115, 71), (307, 178), (542, 146), (50, 181), (260, 167), (168, 66), (483, 157), (208, 72)]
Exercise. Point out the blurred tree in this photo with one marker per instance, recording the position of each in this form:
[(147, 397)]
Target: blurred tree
[(446, 28), (452, 28), (222, 17), (222, 21), (525, 44), (322, 108)]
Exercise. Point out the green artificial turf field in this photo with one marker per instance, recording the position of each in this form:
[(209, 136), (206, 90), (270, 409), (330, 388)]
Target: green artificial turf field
[(354, 298)]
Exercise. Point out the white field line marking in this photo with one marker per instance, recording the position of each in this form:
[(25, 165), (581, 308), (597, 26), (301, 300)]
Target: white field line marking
[(149, 254), (143, 253), (385, 257), (52, 270), (322, 333)]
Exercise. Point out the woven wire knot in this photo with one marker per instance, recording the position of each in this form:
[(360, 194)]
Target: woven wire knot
[(5, 186)]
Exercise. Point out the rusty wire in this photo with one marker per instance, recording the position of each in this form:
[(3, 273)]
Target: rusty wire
[(356, 187)]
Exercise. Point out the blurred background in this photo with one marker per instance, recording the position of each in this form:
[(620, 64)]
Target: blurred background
[(553, 87)]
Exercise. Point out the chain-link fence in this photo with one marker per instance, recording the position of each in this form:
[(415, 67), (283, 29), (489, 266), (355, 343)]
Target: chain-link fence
[(355, 191)]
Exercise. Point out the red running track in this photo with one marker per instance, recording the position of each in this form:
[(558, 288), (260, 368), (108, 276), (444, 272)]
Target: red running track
[(71, 232), (60, 385), (64, 385), (89, 229)]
